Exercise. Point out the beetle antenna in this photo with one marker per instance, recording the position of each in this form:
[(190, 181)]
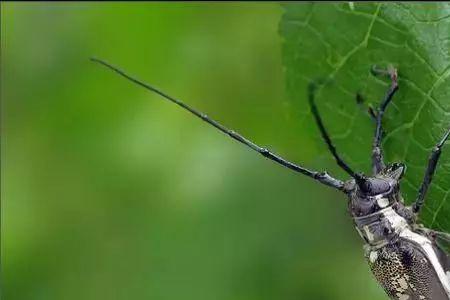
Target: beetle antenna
[(360, 178), (322, 177)]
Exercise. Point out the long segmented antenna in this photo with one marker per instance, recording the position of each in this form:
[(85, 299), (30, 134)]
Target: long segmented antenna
[(360, 179), (322, 177)]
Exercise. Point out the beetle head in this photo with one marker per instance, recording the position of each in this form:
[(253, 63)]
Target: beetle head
[(384, 183)]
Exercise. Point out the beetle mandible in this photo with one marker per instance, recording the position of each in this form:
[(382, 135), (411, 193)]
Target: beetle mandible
[(402, 254)]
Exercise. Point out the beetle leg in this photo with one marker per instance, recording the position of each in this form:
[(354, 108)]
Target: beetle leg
[(377, 152), (442, 235), (431, 168)]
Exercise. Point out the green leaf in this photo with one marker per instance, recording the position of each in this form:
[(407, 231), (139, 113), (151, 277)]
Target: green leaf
[(341, 42)]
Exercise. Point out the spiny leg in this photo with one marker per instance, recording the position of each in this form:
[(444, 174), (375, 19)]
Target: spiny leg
[(431, 168), (377, 153), (370, 110), (360, 179), (441, 235), (322, 177), (372, 113)]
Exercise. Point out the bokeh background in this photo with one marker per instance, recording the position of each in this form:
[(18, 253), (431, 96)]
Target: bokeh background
[(108, 192)]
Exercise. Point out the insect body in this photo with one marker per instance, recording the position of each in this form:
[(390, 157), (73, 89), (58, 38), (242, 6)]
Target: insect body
[(403, 257), (402, 254)]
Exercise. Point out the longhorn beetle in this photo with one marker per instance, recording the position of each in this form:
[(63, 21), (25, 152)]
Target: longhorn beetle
[(403, 255)]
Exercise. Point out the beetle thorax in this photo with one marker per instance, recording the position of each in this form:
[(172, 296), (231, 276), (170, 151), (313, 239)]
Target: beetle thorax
[(377, 195)]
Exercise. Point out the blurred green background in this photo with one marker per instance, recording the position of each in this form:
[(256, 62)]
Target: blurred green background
[(111, 193)]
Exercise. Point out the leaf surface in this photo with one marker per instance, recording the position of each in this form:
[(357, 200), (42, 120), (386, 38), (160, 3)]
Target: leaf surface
[(340, 43)]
